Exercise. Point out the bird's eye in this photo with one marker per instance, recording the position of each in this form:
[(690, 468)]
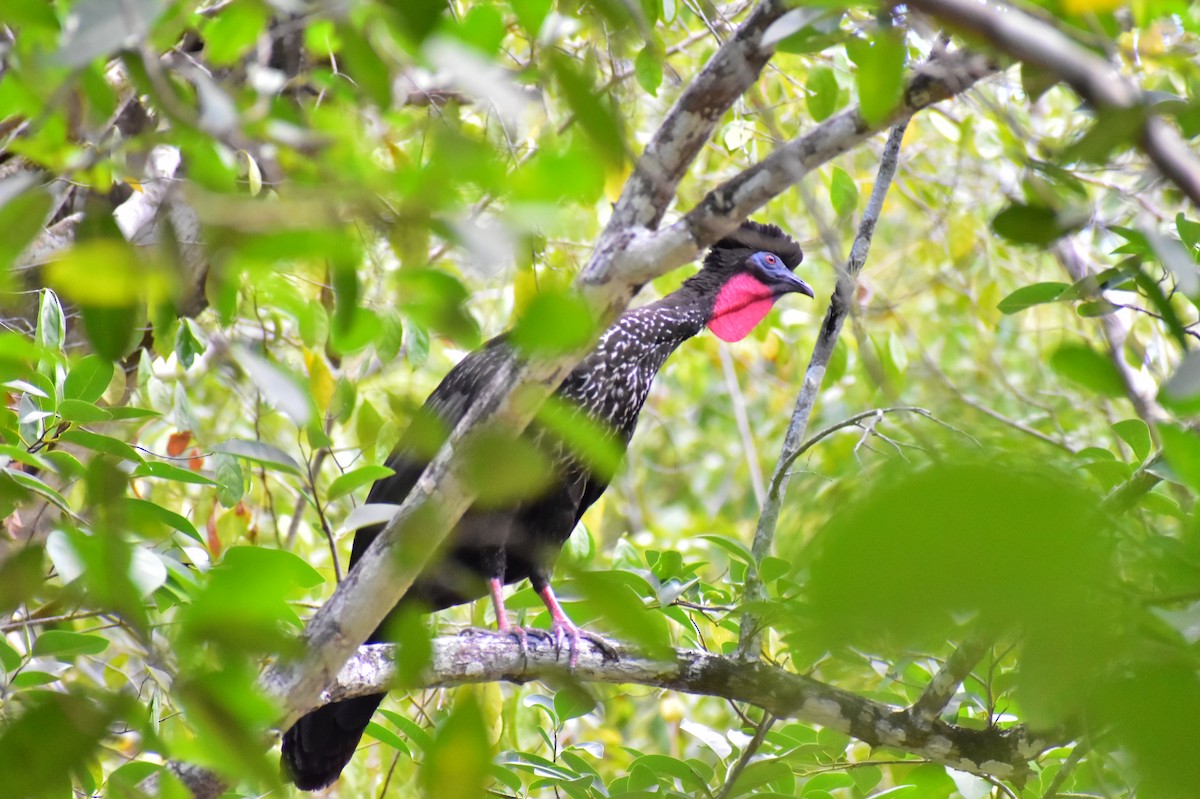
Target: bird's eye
[(770, 259)]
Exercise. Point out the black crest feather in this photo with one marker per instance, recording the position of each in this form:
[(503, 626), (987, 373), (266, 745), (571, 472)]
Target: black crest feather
[(759, 237)]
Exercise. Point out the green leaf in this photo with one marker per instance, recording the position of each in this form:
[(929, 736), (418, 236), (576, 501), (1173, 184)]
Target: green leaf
[(261, 453), (554, 323), (22, 213), (51, 325), (65, 645), (167, 471), (10, 659), (233, 31), (596, 113), (77, 725), (80, 412), (572, 701), (1181, 391), (531, 14), (1083, 365), (880, 74), (1181, 449), (352, 481), (112, 332), (1031, 224), (88, 379), (386, 736), (140, 509), (230, 479), (823, 91), (1029, 296), (100, 443), (363, 64), (1136, 434), (843, 193), (35, 485), (1189, 233), (648, 69), (457, 764)]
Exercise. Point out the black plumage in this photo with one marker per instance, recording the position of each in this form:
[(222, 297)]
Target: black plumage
[(743, 275)]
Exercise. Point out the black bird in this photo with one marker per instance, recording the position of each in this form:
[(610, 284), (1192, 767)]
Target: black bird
[(743, 275)]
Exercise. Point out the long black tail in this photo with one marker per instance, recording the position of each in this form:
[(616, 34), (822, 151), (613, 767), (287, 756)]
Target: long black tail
[(319, 745)]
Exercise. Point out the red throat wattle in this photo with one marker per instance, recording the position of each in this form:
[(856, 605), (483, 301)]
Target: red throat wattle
[(741, 304)]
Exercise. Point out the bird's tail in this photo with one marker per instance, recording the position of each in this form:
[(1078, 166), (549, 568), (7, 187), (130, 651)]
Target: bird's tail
[(319, 745)]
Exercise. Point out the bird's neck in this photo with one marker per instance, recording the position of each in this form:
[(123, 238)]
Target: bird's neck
[(613, 381)]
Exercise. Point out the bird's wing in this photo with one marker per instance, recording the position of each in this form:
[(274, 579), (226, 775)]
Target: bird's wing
[(438, 417)]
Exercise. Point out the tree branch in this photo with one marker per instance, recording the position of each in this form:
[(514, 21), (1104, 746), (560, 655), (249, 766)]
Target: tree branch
[(479, 658), (942, 687), (1033, 41), (839, 305)]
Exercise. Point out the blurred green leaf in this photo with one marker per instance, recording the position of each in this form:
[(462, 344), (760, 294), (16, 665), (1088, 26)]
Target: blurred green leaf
[(823, 93), (65, 645), (648, 68), (594, 112), (554, 323), (1083, 365), (1136, 434), (1032, 224), (1029, 296), (880, 74), (260, 453), (457, 762), (843, 193), (354, 480), (78, 724)]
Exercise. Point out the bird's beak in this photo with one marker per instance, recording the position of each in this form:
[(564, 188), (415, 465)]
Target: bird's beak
[(791, 283)]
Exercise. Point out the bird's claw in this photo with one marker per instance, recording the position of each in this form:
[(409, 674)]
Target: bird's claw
[(570, 634)]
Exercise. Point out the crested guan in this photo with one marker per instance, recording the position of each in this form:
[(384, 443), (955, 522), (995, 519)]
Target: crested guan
[(742, 276)]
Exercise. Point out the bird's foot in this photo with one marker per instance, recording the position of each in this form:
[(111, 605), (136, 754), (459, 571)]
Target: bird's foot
[(565, 631)]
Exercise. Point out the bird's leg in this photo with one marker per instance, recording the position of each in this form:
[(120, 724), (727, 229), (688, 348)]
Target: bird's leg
[(566, 630), (503, 625)]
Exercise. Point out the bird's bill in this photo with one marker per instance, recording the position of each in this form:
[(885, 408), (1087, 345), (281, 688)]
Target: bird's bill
[(791, 283)]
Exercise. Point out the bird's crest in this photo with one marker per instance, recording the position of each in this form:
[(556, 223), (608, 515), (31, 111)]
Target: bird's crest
[(758, 237)]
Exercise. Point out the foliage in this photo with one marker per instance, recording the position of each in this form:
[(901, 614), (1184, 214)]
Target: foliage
[(375, 188)]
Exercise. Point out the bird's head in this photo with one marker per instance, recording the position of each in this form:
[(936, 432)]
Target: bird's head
[(745, 273)]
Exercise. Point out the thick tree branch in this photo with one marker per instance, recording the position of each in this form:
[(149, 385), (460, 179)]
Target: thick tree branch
[(1033, 41), (477, 658), (690, 122)]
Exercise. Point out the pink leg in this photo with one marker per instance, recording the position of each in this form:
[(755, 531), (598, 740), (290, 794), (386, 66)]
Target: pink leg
[(502, 623), (566, 630)]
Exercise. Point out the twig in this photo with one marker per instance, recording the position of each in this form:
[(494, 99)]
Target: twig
[(839, 305), (1065, 770), (748, 752)]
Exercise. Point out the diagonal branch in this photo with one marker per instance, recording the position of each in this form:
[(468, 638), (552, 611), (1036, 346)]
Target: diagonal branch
[(690, 122), (942, 687), (459, 660), (835, 316), (1033, 41)]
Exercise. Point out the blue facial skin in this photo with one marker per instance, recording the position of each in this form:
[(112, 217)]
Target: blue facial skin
[(770, 268)]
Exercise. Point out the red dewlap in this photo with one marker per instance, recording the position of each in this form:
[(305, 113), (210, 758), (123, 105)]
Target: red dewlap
[(741, 304)]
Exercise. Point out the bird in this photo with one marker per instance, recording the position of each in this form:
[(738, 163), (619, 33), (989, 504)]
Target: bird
[(742, 276)]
